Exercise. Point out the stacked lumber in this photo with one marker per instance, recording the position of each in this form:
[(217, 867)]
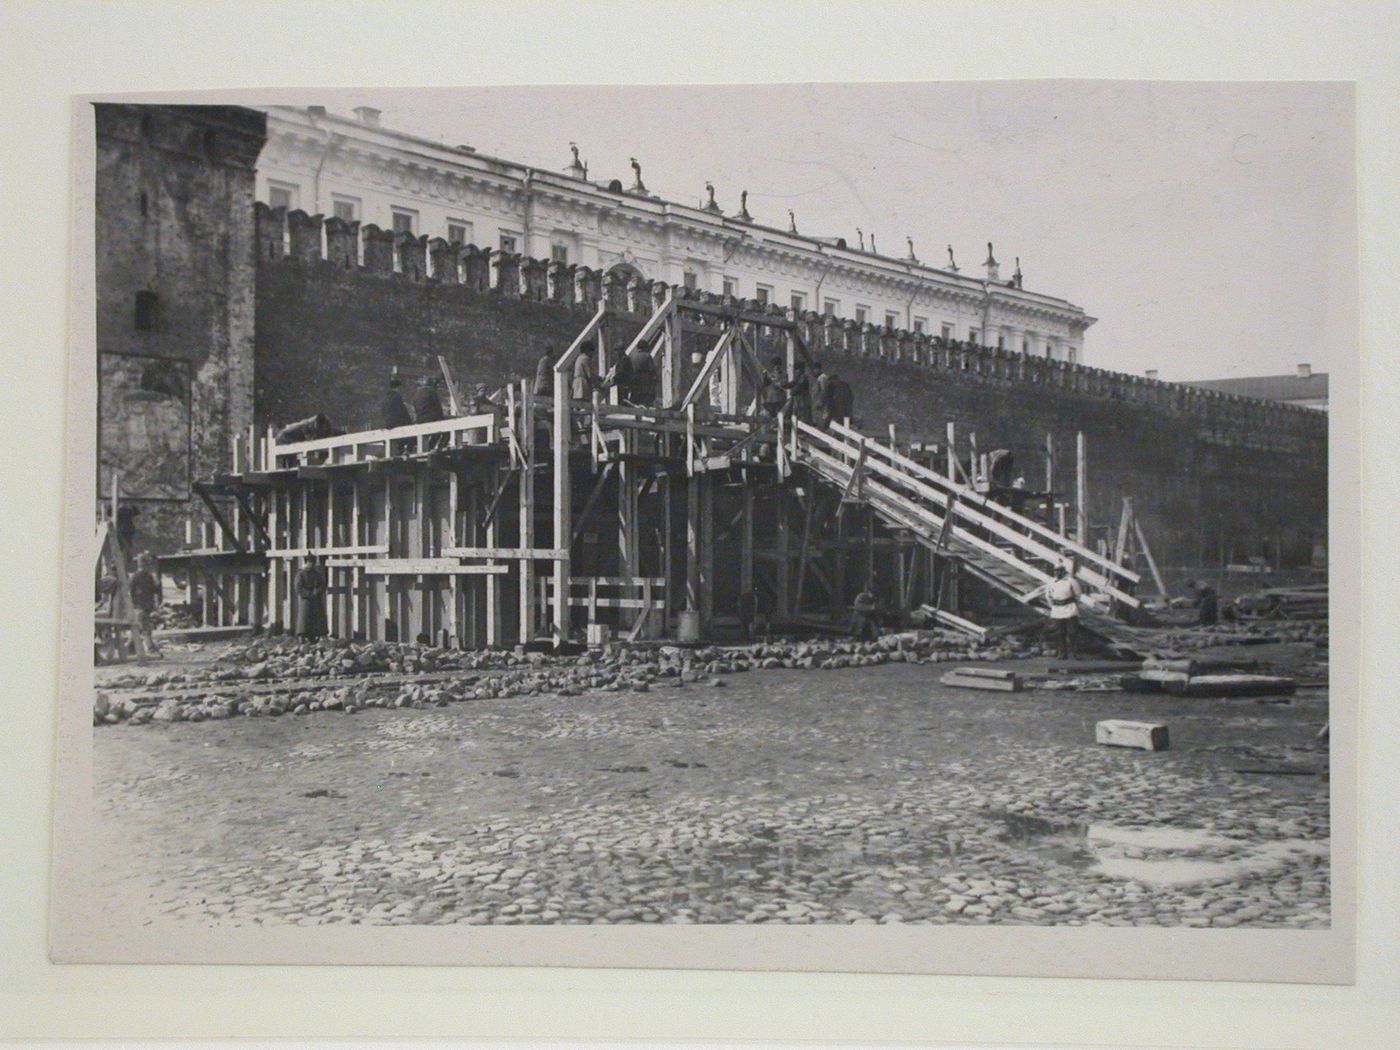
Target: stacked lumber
[(1283, 603), (1184, 678)]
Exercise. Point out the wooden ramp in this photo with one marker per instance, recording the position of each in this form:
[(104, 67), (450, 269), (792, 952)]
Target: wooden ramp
[(1014, 554)]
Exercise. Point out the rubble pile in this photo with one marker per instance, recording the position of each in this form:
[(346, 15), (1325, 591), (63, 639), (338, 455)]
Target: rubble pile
[(454, 676)]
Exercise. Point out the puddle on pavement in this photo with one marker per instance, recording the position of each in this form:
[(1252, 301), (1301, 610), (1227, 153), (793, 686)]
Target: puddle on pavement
[(1154, 856)]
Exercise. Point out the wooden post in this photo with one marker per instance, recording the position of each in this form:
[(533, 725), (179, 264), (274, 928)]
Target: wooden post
[(746, 539), (562, 524), (692, 543), (707, 552), (1081, 493), (952, 453), (527, 515)]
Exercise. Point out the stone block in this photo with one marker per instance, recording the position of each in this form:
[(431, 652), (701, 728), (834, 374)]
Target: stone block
[(1145, 736)]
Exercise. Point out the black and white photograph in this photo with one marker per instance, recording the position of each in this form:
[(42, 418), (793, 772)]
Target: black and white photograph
[(895, 505)]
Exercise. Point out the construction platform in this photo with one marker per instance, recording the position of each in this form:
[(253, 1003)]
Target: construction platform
[(547, 516)]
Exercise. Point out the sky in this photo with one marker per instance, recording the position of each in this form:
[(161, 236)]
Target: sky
[(1209, 227)]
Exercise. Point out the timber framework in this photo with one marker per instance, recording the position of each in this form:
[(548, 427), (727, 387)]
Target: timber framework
[(548, 520)]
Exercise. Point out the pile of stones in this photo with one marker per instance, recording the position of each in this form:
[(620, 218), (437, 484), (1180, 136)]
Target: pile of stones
[(489, 674)]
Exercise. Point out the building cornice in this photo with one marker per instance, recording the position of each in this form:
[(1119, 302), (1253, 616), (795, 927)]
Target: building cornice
[(410, 154)]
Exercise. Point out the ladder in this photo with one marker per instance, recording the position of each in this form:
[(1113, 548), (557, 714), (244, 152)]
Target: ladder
[(1012, 553)]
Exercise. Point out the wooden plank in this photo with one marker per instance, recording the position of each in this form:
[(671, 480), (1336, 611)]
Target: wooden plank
[(1145, 736), (994, 685), (419, 567), (510, 553)]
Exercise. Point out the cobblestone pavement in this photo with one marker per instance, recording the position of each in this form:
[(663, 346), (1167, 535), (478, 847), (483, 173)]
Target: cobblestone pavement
[(841, 796)]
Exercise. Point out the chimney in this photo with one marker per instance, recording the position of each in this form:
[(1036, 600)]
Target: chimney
[(368, 115), (1152, 374), (1304, 371), (316, 111)]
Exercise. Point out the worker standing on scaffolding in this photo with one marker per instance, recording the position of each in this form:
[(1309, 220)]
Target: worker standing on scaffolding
[(427, 408), (771, 395), (392, 411), (799, 391), (585, 377), (544, 374)]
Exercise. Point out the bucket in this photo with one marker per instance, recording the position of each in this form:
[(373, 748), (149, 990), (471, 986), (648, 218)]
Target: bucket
[(688, 629)]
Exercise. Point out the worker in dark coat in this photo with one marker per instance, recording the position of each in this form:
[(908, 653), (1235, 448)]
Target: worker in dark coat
[(1207, 604), (312, 428), (144, 586), (840, 399), (863, 612), (427, 408), (799, 391), (770, 394), (392, 411), (311, 592)]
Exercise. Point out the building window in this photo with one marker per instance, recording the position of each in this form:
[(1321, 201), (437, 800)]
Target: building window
[(347, 209), (405, 220), (559, 253), (1050, 348), (799, 302), (974, 336), (947, 330), (831, 307), (920, 324), (1001, 340), (731, 287), (764, 294), (459, 231), (282, 195), (891, 319), (862, 314), (1073, 355), (690, 280), (508, 243), (1026, 345)]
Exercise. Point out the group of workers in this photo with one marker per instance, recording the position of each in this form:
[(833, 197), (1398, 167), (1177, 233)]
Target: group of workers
[(816, 396)]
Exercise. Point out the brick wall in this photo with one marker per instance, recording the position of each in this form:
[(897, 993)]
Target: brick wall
[(1211, 475), (174, 193)]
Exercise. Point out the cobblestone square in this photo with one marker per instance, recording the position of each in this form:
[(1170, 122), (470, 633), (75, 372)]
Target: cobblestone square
[(857, 795)]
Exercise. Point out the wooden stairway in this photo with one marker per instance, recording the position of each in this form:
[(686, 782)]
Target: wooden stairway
[(1010, 552)]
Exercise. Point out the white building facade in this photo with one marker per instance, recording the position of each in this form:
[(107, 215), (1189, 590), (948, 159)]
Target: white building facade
[(356, 170)]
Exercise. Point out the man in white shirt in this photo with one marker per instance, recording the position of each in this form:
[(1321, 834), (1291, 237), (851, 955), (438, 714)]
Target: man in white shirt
[(1063, 595)]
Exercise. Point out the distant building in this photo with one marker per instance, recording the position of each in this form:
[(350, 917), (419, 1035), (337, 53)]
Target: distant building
[(1303, 387), (358, 171)]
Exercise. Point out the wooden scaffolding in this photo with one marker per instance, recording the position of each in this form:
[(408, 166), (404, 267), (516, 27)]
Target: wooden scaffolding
[(548, 514)]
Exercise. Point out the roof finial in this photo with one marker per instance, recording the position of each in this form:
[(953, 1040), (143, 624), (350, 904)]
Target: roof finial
[(637, 185), (952, 263), (991, 263), (744, 206), (1016, 277), (910, 241), (872, 243), (710, 205), (861, 234), (792, 222)]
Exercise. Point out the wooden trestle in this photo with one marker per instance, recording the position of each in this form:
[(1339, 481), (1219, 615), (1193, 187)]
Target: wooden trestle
[(528, 522)]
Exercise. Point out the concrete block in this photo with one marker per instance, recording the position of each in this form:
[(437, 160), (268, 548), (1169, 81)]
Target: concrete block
[(1117, 732)]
